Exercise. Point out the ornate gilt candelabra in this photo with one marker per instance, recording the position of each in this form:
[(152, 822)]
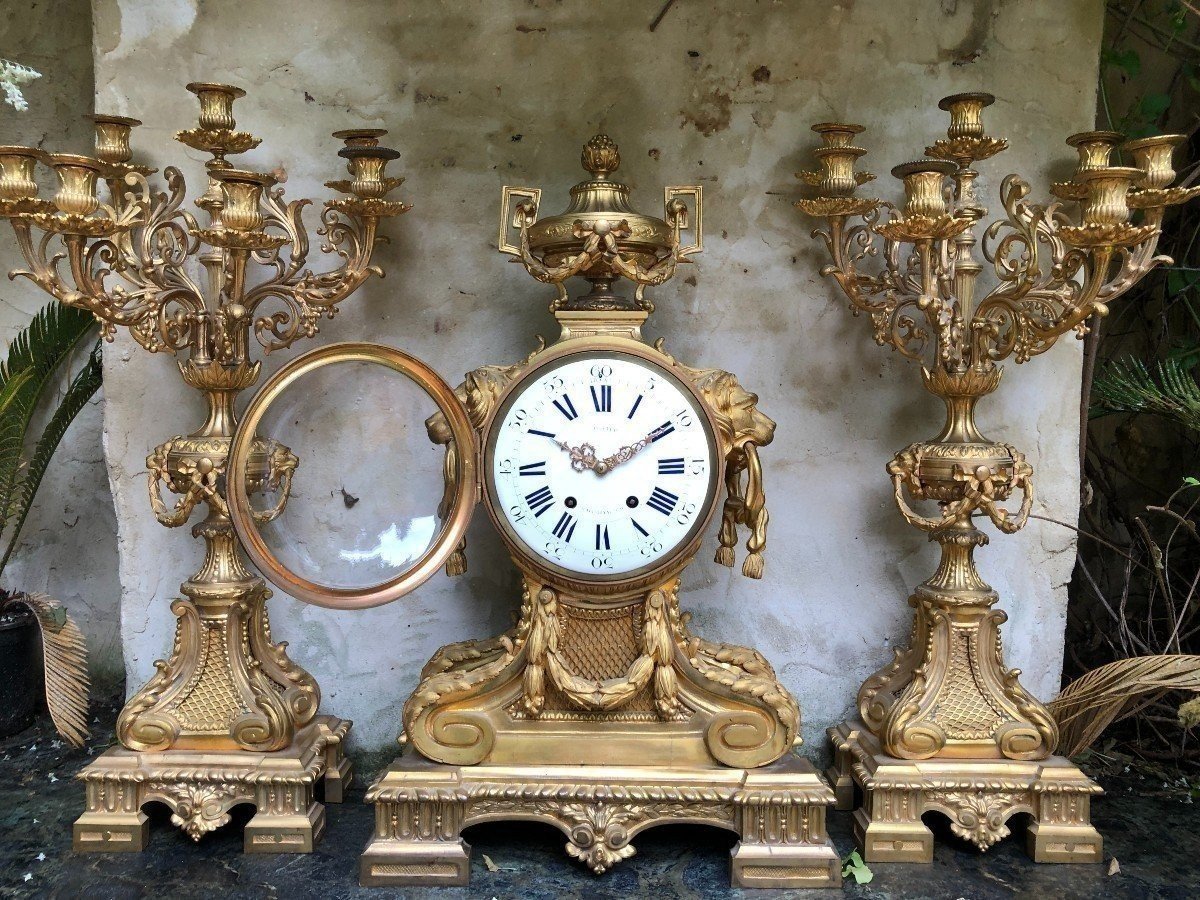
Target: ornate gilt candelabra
[(946, 726), (228, 718)]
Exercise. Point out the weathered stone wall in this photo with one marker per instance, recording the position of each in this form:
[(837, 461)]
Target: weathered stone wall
[(69, 543), (481, 95)]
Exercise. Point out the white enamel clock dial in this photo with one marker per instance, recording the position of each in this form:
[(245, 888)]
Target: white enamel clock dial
[(602, 465)]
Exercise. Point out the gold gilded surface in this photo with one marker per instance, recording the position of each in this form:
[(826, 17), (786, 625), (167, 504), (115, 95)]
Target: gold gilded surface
[(228, 717), (777, 811), (946, 724), (600, 236), (978, 796), (201, 787), (600, 711)]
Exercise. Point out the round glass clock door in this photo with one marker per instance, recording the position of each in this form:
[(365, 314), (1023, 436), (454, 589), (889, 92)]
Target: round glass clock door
[(601, 465), (335, 489)]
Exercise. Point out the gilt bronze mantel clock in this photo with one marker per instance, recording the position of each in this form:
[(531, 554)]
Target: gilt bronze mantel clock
[(601, 461)]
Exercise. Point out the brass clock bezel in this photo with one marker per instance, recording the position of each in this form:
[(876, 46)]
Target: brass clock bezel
[(611, 587), (452, 527)]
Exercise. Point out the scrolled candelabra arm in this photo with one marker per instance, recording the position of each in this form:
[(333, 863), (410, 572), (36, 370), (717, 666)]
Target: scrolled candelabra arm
[(306, 296), (349, 232), (1136, 262), (889, 298), (137, 304)]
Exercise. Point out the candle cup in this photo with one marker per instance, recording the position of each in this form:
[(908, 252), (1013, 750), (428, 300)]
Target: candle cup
[(1094, 148), (1107, 201), (17, 166), (1152, 155), (838, 178), (837, 134), (112, 138), (77, 177), (241, 195), (360, 137), (966, 114), (216, 104), (366, 170), (924, 186)]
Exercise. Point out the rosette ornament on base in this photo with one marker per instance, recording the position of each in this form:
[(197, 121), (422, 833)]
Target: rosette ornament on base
[(949, 698), (228, 698)]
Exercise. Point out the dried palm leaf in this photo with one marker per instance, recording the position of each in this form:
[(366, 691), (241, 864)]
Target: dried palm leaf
[(1092, 702), (64, 653)]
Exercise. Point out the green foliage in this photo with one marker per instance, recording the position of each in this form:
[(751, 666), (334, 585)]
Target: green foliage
[(853, 866), (1128, 61), (28, 379), (1169, 390), (1136, 588)]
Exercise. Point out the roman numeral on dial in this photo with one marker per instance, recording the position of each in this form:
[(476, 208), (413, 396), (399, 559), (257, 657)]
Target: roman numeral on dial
[(673, 466), (662, 431), (565, 527), (540, 500), (602, 398), (663, 501), (640, 529), (566, 407), (636, 404), (602, 542), (538, 468)]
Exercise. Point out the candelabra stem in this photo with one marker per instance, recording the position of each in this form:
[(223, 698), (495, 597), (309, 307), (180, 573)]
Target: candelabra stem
[(226, 686), (949, 695)]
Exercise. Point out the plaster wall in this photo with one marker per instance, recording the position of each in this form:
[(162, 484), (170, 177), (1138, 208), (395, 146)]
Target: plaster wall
[(481, 95), (69, 542)]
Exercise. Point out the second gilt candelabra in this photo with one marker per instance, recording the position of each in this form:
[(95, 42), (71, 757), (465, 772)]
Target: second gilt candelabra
[(228, 718), (946, 726)]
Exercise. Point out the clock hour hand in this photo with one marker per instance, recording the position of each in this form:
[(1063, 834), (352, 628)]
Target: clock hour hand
[(582, 457)]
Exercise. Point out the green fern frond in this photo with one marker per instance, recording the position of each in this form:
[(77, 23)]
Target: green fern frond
[(83, 387), (26, 376), (1170, 390)]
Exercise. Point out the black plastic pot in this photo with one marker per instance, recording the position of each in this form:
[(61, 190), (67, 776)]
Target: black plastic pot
[(22, 695)]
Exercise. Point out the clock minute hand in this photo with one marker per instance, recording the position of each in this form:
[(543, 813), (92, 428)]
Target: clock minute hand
[(626, 453)]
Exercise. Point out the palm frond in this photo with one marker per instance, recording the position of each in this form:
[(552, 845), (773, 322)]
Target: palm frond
[(1170, 391), (1092, 702), (64, 653), (25, 376), (83, 387)]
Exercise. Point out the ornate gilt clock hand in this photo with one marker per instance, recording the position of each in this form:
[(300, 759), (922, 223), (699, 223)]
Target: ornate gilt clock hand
[(582, 457), (625, 453)]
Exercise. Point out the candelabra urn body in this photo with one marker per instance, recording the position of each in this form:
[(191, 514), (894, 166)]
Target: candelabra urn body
[(946, 726), (228, 717)]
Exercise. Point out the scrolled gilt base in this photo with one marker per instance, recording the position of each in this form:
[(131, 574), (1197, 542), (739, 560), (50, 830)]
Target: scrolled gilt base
[(979, 796), (778, 812), (571, 681), (200, 788)]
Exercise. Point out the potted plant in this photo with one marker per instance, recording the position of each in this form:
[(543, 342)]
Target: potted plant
[(42, 651)]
